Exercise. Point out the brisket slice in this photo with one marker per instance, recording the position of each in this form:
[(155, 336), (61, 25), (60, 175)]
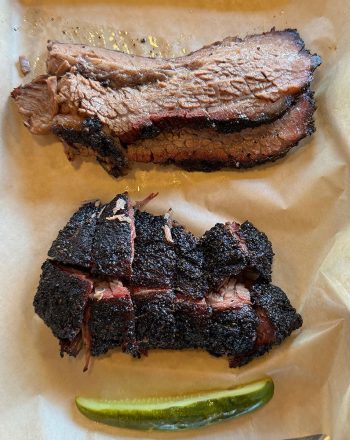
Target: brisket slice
[(210, 293), (73, 244), (190, 278), (208, 150), (155, 321), (61, 299), (155, 259), (112, 319), (225, 254), (226, 85), (260, 254), (277, 318), (232, 329), (112, 250), (94, 98), (192, 320)]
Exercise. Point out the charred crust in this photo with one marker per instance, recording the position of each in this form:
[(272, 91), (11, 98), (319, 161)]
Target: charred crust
[(148, 131), (155, 321), (169, 303), (278, 308), (112, 325), (109, 152), (223, 255), (73, 244), (60, 300), (155, 259), (232, 332), (260, 254), (190, 278), (111, 250), (192, 324)]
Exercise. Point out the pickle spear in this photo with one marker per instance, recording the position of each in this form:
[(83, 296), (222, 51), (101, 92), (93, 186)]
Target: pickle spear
[(180, 412)]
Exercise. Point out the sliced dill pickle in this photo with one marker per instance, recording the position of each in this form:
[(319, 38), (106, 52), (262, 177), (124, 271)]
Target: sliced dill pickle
[(180, 412)]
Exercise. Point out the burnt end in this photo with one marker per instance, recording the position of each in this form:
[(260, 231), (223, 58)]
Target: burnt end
[(190, 278), (278, 309), (111, 325), (112, 247), (155, 259), (61, 299), (155, 321), (223, 255), (108, 150), (73, 244), (192, 323), (260, 252), (232, 331)]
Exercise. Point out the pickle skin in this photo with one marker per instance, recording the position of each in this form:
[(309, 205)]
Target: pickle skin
[(178, 413)]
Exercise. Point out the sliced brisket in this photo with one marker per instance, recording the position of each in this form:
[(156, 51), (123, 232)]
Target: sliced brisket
[(227, 84), (163, 289), (192, 320), (277, 318), (207, 150), (93, 99), (155, 321), (233, 323), (73, 244), (155, 259), (61, 299), (225, 254), (112, 251), (112, 320), (190, 278)]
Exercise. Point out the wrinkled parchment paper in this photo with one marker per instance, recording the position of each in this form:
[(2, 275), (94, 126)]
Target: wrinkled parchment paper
[(301, 202)]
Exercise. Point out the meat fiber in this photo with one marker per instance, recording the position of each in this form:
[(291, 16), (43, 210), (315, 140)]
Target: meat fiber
[(148, 283), (207, 150), (100, 101)]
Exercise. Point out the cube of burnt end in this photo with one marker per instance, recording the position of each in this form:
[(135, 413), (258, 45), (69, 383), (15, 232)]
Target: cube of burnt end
[(61, 299), (225, 254), (155, 258), (260, 254), (155, 321), (73, 244), (112, 250), (192, 317), (190, 278), (277, 318), (112, 319), (233, 321)]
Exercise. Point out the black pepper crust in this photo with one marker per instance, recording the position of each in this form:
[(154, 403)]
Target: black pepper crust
[(192, 324), (112, 324), (232, 331), (108, 150), (278, 308), (155, 259), (111, 251), (155, 321), (260, 254), (223, 255), (74, 242), (61, 299), (174, 272), (190, 278)]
